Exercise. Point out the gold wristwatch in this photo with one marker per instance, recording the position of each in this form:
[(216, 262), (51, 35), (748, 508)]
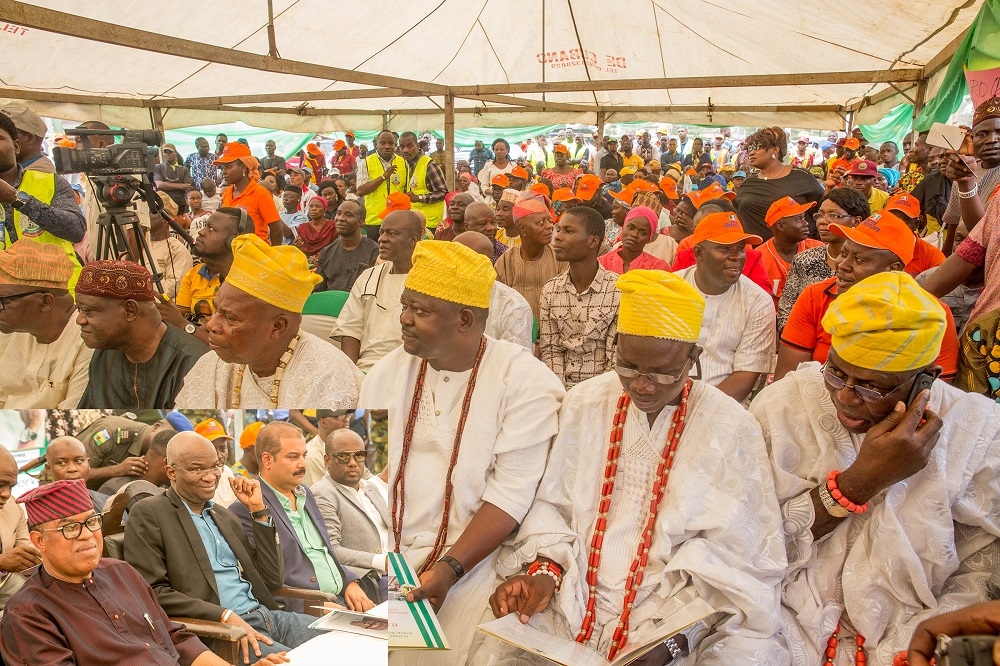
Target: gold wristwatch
[(831, 505)]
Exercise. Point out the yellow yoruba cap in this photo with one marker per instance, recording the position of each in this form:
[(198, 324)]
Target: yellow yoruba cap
[(277, 275), (451, 272), (886, 322), (658, 304)]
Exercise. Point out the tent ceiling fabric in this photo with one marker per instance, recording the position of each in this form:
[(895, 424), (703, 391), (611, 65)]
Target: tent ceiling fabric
[(468, 43)]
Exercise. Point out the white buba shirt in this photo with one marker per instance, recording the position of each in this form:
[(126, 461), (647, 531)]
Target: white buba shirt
[(512, 418), (717, 536), (925, 546)]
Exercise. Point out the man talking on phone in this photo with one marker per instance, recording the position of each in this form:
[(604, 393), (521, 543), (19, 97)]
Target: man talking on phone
[(886, 478)]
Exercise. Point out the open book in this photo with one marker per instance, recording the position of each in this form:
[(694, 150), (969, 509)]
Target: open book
[(374, 623), (412, 626), (568, 652)]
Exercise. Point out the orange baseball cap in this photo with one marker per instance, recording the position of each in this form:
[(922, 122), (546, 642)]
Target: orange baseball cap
[(395, 201), (562, 194), (211, 429), (542, 188), (713, 191), (520, 172), (852, 144), (786, 207), (502, 180), (339, 144), (313, 149), (561, 149), (249, 435), (882, 231), (587, 186), (905, 203), (625, 196), (722, 228), (690, 172), (643, 186), (232, 152), (669, 187)]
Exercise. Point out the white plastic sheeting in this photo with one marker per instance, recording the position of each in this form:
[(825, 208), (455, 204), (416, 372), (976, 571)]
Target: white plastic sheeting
[(478, 42)]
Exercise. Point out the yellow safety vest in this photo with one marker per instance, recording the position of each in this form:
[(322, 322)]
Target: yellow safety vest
[(42, 186), (375, 201), (417, 184)]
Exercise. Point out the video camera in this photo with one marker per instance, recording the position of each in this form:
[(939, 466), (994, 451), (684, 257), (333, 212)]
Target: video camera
[(135, 155)]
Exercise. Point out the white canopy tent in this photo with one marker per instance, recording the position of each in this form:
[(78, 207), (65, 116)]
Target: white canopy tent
[(316, 65)]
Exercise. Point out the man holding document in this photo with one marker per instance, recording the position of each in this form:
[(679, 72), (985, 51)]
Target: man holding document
[(654, 497)]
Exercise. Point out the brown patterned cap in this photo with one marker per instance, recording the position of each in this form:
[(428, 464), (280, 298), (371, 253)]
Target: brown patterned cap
[(32, 264), (118, 279), (986, 111)]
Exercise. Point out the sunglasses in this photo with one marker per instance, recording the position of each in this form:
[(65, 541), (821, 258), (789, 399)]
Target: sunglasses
[(836, 380), (344, 458)]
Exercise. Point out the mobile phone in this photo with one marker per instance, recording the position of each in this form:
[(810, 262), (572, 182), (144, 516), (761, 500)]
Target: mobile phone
[(970, 651), (924, 380)]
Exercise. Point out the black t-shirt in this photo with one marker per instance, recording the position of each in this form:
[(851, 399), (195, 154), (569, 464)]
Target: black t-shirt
[(611, 161), (756, 196)]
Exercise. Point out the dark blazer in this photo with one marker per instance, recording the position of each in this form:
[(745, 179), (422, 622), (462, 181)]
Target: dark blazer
[(299, 570), (163, 544)]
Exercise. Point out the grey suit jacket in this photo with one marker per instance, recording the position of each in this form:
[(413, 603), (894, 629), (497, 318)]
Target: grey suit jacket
[(353, 535)]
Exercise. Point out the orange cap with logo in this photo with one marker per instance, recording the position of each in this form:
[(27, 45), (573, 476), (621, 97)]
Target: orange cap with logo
[(520, 172), (562, 194), (232, 152), (713, 191), (905, 203), (882, 231), (502, 180), (587, 186), (722, 228), (395, 201), (625, 196), (669, 187), (211, 429), (786, 207)]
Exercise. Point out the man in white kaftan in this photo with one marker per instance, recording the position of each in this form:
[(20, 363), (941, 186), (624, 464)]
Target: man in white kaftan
[(717, 534), (928, 542), (511, 419)]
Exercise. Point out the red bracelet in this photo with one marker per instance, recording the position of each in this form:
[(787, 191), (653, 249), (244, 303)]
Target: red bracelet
[(831, 485), (546, 568)]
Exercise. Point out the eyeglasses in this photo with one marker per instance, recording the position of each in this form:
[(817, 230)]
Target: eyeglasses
[(837, 380), (632, 374), (73, 530), (832, 217), (6, 299), (215, 471), (750, 147), (345, 457)]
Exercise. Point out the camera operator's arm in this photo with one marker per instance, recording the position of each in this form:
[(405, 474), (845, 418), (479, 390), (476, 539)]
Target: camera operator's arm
[(61, 218)]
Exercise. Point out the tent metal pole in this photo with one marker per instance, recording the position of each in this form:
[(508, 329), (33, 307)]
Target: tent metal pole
[(449, 141), (602, 119)]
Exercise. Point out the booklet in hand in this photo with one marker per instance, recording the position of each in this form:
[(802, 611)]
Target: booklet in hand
[(568, 652), (412, 626), (374, 623)]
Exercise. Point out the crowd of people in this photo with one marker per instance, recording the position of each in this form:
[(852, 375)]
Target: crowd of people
[(550, 338)]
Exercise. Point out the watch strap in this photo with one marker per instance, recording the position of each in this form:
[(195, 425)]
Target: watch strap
[(263, 513), (832, 507), (454, 564)]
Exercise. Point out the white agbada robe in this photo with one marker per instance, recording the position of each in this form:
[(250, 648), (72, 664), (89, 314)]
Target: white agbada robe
[(512, 419), (926, 545), (318, 376), (718, 530)]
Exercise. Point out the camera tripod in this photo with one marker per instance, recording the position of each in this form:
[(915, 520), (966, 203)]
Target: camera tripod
[(113, 241)]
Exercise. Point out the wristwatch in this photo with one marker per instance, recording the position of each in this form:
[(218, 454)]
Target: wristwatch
[(831, 505), (20, 199), (454, 564), (27, 435), (263, 513), (190, 328)]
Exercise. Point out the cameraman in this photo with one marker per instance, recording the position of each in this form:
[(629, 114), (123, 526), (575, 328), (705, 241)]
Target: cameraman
[(37, 205), (92, 207)]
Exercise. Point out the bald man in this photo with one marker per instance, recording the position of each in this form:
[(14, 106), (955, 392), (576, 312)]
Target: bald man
[(482, 218), (510, 315), (66, 458), (368, 325), (456, 213)]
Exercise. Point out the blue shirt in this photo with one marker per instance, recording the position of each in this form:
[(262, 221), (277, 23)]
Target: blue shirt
[(234, 591), (478, 159)]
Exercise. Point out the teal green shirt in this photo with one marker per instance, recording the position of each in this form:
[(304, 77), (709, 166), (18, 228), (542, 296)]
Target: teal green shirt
[(327, 573)]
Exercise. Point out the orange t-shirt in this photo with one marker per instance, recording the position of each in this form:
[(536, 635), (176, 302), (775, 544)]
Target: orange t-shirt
[(804, 330), (777, 268), (259, 205), (925, 256), (684, 244)]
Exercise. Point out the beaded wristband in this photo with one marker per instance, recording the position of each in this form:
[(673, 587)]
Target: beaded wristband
[(831, 485), (546, 569)]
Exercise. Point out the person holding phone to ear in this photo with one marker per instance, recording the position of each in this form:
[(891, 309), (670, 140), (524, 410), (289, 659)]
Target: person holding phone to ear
[(886, 478)]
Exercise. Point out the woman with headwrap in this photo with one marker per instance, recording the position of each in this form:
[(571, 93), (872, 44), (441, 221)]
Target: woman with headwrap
[(329, 191), (317, 231), (891, 177), (241, 174)]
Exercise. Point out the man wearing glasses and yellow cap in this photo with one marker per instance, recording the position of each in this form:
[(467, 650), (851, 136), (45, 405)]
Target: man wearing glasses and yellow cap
[(452, 388), (260, 358), (886, 476), (658, 491)]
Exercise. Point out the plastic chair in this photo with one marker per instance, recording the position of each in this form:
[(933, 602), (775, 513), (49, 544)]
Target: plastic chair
[(327, 303)]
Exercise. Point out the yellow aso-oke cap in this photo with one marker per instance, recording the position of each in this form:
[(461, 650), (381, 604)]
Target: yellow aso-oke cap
[(886, 322), (658, 304), (277, 275), (451, 272)]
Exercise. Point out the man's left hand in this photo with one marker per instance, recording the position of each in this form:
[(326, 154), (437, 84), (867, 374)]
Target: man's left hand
[(276, 658), (356, 598), (982, 618), (435, 584), (8, 193), (413, 197), (247, 491)]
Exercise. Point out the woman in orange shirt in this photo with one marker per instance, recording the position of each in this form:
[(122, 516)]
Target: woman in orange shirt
[(241, 173)]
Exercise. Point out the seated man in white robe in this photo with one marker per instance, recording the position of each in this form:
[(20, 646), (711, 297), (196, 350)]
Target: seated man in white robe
[(260, 358), (452, 388), (45, 363), (889, 491), (714, 533)]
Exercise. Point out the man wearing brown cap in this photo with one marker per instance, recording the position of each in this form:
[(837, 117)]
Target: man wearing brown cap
[(82, 608), (172, 177), (30, 131), (45, 363), (140, 361)]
